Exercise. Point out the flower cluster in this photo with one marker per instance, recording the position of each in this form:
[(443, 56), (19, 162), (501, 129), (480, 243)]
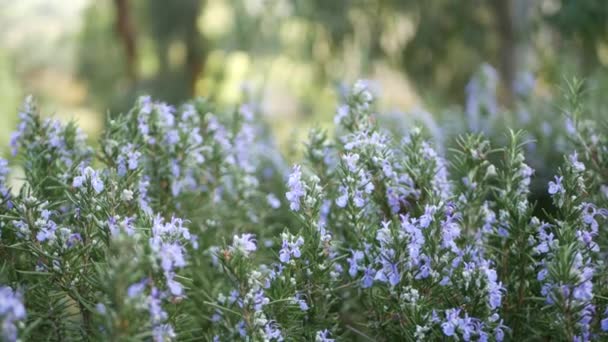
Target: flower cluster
[(12, 311), (5, 194), (167, 243)]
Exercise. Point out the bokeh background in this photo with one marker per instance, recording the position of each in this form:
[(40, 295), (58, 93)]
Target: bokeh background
[(85, 59)]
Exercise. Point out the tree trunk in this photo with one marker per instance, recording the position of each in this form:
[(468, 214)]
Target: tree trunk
[(503, 11), (126, 33)]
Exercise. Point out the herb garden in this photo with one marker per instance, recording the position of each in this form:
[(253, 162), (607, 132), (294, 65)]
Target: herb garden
[(185, 223)]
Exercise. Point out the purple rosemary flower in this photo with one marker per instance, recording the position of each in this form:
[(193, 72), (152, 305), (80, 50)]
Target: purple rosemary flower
[(116, 225), (323, 336), (341, 113), (273, 201), (342, 200), (351, 160), (235, 298), (426, 219), (174, 286), (101, 308), (144, 201), (451, 323), (556, 187), (22, 228), (217, 316), (369, 275), (128, 159), (241, 328), (172, 256), (323, 215), (157, 314), (246, 111), (388, 271), (546, 239), (352, 261), (47, 227), (424, 268), (296, 188), (298, 299), (584, 290), (499, 334), (576, 164), (172, 137), (415, 237), (163, 332), (12, 310), (245, 244), (290, 248), (604, 322), (138, 288), (495, 289), (272, 332), (259, 300), (88, 174), (4, 171), (358, 199), (73, 239), (450, 231)]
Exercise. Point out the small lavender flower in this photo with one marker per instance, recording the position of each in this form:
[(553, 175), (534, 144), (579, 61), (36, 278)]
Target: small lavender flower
[(4, 191), (369, 275), (137, 289), (172, 137), (604, 322), (452, 321), (87, 173), (78, 181), (12, 310), (494, 288), (341, 113), (576, 164), (144, 202), (556, 187), (352, 261), (73, 239), (97, 183), (245, 244), (358, 199), (246, 111), (128, 159), (296, 188), (217, 316), (499, 334), (389, 271), (116, 225), (450, 230), (47, 227), (351, 160), (273, 201), (342, 200), (101, 308), (298, 299), (272, 332), (323, 336), (290, 248), (163, 332), (426, 219), (157, 314), (241, 328)]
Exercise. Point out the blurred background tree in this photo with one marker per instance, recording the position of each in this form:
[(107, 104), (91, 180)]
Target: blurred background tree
[(87, 58)]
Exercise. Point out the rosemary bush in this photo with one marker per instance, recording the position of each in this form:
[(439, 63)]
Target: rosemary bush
[(186, 225)]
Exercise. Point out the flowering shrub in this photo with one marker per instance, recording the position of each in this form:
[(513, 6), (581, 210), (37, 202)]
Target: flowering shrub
[(185, 225)]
